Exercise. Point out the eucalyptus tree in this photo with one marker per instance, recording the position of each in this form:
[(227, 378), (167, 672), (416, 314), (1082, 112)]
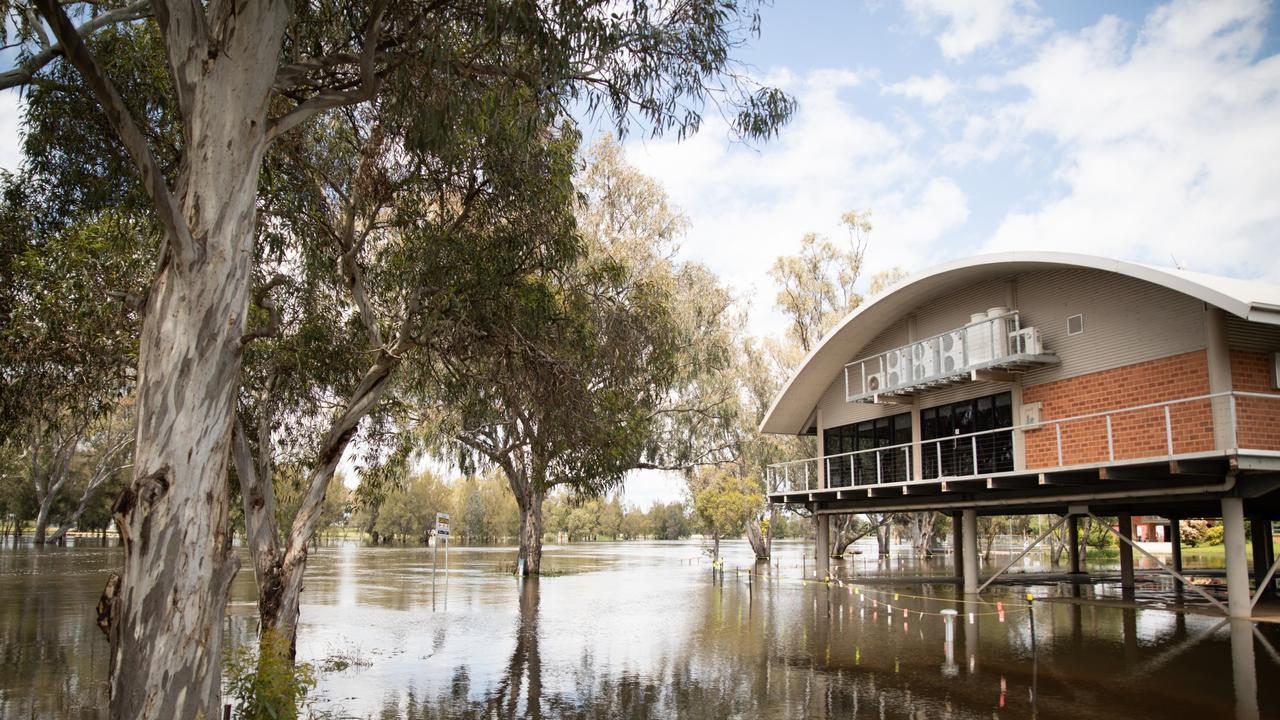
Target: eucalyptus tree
[(612, 364), (410, 253), (66, 349), (724, 503), (242, 76)]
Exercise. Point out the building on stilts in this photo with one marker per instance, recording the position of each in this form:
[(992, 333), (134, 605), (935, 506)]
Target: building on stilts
[(1049, 383)]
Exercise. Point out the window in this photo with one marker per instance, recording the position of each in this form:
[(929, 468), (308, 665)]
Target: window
[(976, 451), (1075, 324), (870, 464)]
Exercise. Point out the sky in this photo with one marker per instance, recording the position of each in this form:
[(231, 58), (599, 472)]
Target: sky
[(1141, 131)]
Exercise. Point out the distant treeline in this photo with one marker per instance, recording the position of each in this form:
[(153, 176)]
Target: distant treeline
[(482, 510)]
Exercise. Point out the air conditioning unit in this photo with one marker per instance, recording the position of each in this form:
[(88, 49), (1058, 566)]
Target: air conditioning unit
[(952, 352), (898, 368), (873, 384), (924, 360), (1026, 341)]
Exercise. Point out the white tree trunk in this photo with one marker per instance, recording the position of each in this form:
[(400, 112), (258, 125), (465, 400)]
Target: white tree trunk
[(165, 623)]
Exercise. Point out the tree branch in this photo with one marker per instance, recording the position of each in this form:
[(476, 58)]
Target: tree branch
[(25, 73), (121, 120), (261, 299), (329, 98)]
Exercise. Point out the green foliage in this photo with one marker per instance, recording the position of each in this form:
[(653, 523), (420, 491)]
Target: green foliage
[(724, 503), (410, 513), (1213, 535), (265, 683)]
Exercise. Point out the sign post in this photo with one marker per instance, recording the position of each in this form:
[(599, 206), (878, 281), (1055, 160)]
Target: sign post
[(442, 535)]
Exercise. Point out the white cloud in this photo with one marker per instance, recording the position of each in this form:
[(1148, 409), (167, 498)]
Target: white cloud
[(971, 25), (10, 134), (750, 205), (930, 91), (1168, 141)]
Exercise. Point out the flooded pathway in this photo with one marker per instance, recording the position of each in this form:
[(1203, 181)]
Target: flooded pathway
[(642, 630)]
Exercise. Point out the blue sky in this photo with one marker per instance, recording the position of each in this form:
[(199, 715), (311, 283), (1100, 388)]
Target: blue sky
[(1145, 131)]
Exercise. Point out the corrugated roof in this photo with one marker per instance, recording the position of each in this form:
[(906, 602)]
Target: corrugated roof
[(793, 407)]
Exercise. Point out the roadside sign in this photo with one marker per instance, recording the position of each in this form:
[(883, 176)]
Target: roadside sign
[(442, 525)]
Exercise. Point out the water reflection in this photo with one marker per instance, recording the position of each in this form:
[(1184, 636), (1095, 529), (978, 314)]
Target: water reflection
[(643, 631)]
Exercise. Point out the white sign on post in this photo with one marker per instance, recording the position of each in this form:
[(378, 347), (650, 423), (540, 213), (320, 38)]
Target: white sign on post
[(442, 534)]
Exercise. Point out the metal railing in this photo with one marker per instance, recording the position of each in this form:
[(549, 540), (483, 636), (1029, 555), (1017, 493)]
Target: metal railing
[(980, 344), (1150, 431)]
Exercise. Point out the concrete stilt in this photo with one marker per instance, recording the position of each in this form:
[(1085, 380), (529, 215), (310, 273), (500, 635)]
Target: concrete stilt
[(1260, 534), (1073, 544), (969, 528), (1125, 521), (1175, 542), (1239, 602), (822, 545), (957, 544)]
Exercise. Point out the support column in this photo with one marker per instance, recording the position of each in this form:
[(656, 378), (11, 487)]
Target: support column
[(1175, 543), (957, 544), (1239, 602), (1125, 521), (822, 545), (1073, 544), (969, 528), (1260, 532)]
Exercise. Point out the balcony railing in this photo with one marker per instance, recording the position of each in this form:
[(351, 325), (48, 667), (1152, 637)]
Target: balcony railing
[(996, 341), (1164, 430)]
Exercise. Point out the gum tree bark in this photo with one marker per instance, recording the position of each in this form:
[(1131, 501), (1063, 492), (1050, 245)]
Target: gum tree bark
[(163, 613)]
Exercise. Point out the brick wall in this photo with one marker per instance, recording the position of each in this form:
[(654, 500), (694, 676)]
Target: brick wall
[(1258, 419), (1137, 434)]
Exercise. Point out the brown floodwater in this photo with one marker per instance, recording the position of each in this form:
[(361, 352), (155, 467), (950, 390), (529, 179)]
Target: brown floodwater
[(644, 630)]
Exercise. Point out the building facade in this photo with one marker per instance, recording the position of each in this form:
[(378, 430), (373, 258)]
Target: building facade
[(1044, 382)]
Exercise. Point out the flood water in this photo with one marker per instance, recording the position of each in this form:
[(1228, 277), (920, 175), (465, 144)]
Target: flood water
[(644, 630)]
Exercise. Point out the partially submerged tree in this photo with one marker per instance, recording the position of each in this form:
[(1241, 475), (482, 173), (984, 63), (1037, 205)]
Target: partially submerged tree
[(242, 76), (411, 253), (723, 504), (610, 365)]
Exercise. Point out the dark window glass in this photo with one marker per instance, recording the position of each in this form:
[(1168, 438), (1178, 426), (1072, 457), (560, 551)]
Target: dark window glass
[(994, 449), (860, 469)]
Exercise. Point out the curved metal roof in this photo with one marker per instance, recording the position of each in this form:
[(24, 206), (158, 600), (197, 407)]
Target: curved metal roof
[(795, 403)]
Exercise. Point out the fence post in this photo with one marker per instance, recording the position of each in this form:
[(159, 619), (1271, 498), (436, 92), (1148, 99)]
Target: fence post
[(879, 475), (974, 444), (906, 456), (938, 446)]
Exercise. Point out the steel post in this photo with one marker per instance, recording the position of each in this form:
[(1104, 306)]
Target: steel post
[(1073, 544), (1125, 523)]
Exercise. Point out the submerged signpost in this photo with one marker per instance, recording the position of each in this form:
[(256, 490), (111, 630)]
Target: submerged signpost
[(442, 535)]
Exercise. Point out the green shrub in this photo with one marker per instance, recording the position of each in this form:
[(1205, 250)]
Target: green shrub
[(1213, 536), (265, 684)]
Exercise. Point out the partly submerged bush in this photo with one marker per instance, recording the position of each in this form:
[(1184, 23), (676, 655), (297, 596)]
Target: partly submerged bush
[(264, 682)]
